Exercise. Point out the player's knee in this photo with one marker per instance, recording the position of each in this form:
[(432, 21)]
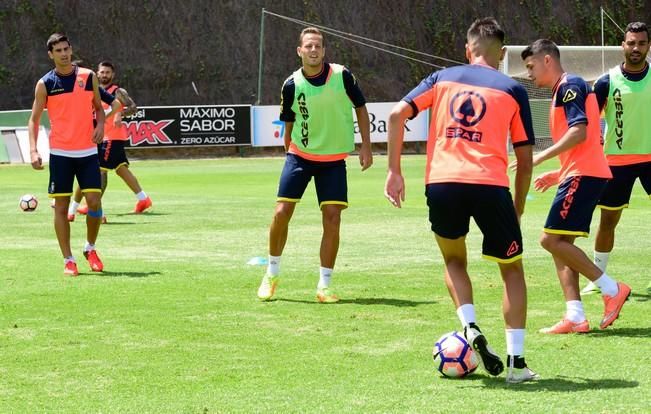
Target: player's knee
[(283, 212), (61, 207), (331, 217), (455, 261), (608, 221), (549, 242), (94, 203)]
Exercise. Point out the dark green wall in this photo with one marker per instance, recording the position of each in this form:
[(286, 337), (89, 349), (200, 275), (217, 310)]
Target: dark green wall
[(162, 46)]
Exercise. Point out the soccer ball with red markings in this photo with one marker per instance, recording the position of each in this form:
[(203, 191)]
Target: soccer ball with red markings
[(453, 356), (28, 202)]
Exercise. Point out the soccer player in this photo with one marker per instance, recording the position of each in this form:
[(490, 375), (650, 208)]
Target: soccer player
[(576, 136), (71, 94), (474, 110), (111, 150), (624, 94), (322, 95)]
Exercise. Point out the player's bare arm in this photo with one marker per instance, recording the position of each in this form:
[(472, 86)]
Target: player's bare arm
[(287, 136), (365, 154), (546, 180), (115, 110), (575, 135), (98, 133), (40, 98), (524, 157), (130, 107), (394, 187)]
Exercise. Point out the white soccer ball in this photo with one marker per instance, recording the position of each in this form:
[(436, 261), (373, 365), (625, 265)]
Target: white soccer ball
[(28, 202), (453, 356)]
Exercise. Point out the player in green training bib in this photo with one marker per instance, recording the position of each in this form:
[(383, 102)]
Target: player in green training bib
[(624, 95), (317, 104)]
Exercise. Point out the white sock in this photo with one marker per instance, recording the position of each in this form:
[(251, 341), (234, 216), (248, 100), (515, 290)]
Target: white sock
[(68, 259), (601, 260), (141, 195), (466, 314), (88, 247), (324, 277), (72, 209), (515, 342), (607, 285), (574, 311), (274, 265)]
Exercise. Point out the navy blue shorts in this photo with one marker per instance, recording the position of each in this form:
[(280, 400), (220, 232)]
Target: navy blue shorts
[(63, 171), (617, 194), (329, 180), (452, 204), (112, 155), (573, 205)]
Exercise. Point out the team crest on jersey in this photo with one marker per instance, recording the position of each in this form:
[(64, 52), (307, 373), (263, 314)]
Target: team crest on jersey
[(569, 96), (80, 82), (467, 108)]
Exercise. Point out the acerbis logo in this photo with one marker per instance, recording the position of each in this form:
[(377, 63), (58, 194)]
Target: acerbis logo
[(513, 249), (619, 115), (305, 114), (467, 108), (569, 197), (569, 96)]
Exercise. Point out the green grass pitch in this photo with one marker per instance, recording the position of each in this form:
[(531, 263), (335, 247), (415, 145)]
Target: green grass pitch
[(174, 326)]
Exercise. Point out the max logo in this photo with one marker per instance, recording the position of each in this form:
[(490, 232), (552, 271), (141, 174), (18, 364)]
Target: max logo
[(150, 132)]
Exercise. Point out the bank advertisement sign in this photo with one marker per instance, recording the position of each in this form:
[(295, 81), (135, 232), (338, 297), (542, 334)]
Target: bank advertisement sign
[(167, 126), (268, 129)]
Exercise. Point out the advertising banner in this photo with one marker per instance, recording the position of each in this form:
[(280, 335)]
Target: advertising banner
[(268, 129), (167, 126)]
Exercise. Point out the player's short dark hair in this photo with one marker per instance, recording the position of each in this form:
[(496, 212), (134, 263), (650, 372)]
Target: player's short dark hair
[(486, 28), (310, 30), (637, 27), (56, 38), (541, 46), (108, 64)]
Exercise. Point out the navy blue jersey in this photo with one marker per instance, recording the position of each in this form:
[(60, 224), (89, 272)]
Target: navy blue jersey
[(57, 84), (571, 95), (350, 84), (476, 112), (478, 76), (105, 96)]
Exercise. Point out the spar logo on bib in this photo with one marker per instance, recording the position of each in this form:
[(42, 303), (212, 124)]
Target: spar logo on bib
[(466, 108)]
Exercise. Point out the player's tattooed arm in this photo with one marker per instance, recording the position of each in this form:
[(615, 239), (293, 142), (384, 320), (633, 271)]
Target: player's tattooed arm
[(130, 107)]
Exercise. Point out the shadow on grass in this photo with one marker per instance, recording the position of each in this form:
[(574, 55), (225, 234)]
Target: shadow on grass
[(640, 297), (643, 332), (152, 213), (128, 274), (561, 384), (365, 301)]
